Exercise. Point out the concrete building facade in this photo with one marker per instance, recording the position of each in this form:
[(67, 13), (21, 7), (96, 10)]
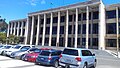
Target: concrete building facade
[(89, 24)]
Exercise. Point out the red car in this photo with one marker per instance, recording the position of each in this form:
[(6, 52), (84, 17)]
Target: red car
[(31, 57)]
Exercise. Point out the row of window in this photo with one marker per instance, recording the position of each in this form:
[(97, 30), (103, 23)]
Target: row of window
[(112, 14), (23, 33), (72, 18), (20, 24)]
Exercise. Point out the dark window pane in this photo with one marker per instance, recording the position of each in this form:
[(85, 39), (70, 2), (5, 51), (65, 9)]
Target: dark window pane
[(79, 29), (41, 30), (84, 29), (47, 30), (54, 30), (62, 19), (95, 15), (95, 29), (55, 19), (61, 29), (84, 16), (70, 29), (48, 21), (111, 14), (79, 17), (70, 18), (111, 42), (42, 21), (111, 28)]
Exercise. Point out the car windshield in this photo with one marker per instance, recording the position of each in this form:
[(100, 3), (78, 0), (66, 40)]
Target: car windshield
[(7, 47), (33, 49), (24, 48), (17, 47), (37, 51), (45, 53), (1, 46), (70, 52)]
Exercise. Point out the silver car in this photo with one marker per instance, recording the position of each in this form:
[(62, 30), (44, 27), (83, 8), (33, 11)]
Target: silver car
[(77, 58)]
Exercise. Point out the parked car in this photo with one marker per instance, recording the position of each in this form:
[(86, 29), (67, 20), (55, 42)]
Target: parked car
[(20, 54), (77, 58), (31, 57), (49, 57), (5, 48), (17, 53), (16, 48)]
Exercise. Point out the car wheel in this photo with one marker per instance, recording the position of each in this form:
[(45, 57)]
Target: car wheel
[(56, 64), (85, 65), (95, 63), (2, 53), (22, 57)]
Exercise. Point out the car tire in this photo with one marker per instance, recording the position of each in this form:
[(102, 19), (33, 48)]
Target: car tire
[(22, 57), (2, 53), (95, 63), (85, 65), (56, 64)]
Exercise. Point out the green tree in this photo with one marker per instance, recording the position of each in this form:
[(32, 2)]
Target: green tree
[(2, 37), (13, 39)]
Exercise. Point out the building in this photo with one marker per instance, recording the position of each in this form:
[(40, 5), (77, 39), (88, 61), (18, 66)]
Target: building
[(18, 28), (88, 24)]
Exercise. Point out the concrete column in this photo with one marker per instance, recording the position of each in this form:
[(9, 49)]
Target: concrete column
[(21, 28), (8, 30), (51, 22), (66, 24), (44, 27), (58, 30), (117, 22), (87, 26), (102, 26), (76, 28), (81, 28), (91, 29), (11, 28), (26, 31), (38, 30), (14, 28), (18, 28), (32, 30)]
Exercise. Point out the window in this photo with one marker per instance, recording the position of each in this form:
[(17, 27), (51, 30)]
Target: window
[(69, 42), (23, 32), (79, 17), (41, 30), (83, 41), (70, 29), (40, 40), (70, 52), (53, 43), (94, 41), (42, 21), (54, 30), (45, 53), (79, 29), (46, 41), (119, 13), (111, 28), (24, 23), (55, 19), (48, 21), (78, 41), (61, 41), (84, 29), (95, 29), (55, 53), (111, 42), (111, 14), (20, 23), (86, 53), (95, 15), (70, 18), (84, 16), (61, 29), (62, 19), (47, 30)]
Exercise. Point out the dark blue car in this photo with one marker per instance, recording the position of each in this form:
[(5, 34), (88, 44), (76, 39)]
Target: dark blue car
[(49, 57)]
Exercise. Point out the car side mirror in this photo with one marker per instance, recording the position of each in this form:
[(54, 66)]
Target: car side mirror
[(93, 54)]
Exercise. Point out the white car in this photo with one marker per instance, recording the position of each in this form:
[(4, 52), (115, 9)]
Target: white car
[(16, 48), (5, 48), (77, 58), (20, 54)]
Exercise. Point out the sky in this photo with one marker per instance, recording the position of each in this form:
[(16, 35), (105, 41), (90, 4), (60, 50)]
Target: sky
[(18, 9)]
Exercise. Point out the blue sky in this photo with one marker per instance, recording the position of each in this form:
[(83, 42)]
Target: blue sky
[(18, 9)]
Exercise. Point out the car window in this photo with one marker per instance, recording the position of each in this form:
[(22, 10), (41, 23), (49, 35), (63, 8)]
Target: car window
[(7, 47), (70, 52), (25, 46), (45, 53), (17, 47), (86, 53), (1, 46), (33, 49), (24, 49), (55, 53), (37, 51)]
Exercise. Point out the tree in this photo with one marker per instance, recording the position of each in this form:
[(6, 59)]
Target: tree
[(2, 37), (13, 39)]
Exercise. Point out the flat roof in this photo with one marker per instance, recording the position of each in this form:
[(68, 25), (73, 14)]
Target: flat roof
[(72, 5)]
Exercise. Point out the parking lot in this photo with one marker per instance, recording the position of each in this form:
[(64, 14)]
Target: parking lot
[(104, 60)]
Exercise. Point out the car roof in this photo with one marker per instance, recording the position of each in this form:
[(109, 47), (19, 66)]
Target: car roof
[(53, 50), (77, 48)]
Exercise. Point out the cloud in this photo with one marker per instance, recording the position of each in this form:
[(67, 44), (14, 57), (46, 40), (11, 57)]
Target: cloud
[(35, 2)]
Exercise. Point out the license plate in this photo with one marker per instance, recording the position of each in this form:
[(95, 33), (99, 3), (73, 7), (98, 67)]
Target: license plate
[(68, 60)]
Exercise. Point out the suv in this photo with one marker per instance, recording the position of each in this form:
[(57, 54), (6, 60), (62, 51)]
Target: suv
[(77, 58), (49, 57)]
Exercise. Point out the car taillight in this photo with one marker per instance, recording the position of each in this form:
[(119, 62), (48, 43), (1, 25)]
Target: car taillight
[(60, 56), (78, 59), (49, 58)]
